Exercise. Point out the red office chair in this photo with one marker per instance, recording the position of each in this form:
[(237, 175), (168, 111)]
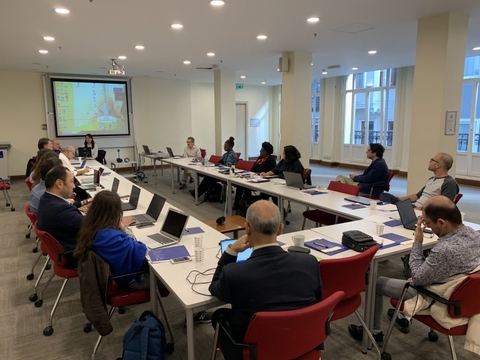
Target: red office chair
[(325, 218), (33, 219), (238, 155), (5, 186), (385, 186), (116, 296), (56, 253), (457, 198), (29, 183), (292, 334), (245, 165), (348, 275), (214, 159), (463, 302)]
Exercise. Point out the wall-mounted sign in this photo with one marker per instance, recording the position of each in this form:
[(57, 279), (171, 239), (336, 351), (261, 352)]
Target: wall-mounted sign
[(450, 122)]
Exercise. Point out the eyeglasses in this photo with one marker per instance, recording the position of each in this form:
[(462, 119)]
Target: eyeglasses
[(434, 161)]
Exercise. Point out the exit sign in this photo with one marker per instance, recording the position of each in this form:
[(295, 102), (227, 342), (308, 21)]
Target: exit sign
[(238, 86)]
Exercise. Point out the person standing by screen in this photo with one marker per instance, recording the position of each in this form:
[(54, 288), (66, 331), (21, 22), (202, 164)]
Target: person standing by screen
[(90, 144)]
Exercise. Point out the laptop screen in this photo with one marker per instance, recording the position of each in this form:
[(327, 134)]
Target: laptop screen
[(293, 179), (170, 151), (244, 255), (97, 174), (174, 223), (406, 212), (146, 150), (134, 195), (115, 184), (84, 152), (156, 206)]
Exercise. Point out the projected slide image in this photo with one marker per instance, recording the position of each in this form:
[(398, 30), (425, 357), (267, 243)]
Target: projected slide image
[(83, 107)]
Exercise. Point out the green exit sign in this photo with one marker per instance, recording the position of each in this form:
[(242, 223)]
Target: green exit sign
[(238, 86)]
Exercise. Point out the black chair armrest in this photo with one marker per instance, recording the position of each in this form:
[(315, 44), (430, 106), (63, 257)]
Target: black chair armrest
[(385, 187), (63, 254), (456, 304), (223, 323), (127, 275)]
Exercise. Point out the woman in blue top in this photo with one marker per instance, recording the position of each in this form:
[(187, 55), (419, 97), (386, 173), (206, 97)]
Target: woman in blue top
[(228, 159), (104, 232)]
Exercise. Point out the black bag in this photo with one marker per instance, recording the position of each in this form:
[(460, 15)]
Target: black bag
[(244, 203), (357, 240), (214, 193)]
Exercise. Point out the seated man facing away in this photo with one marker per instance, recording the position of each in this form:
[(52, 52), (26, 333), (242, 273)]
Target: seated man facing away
[(439, 184), (39, 189), (456, 252), (270, 280), (375, 174)]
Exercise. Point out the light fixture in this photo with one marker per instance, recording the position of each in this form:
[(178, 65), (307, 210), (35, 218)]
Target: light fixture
[(122, 57), (324, 72), (313, 20), (372, 52), (62, 11), (187, 62), (48, 38), (177, 26), (211, 54), (278, 70), (263, 82), (242, 77), (476, 48), (43, 51), (311, 64), (262, 37), (139, 47), (217, 2), (354, 68)]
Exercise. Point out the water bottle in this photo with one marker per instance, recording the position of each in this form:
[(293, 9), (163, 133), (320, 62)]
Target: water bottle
[(232, 170), (205, 160)]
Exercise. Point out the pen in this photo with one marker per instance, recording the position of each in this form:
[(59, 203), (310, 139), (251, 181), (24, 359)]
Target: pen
[(320, 244)]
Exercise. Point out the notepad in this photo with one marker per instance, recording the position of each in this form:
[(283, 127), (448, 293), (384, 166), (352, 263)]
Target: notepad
[(394, 237), (165, 254), (314, 192), (393, 223), (193, 230), (325, 246)]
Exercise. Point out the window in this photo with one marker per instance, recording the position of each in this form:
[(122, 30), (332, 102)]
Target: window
[(469, 128), (370, 99), (315, 110)]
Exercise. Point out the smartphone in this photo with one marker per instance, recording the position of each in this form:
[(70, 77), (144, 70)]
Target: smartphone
[(180, 260)]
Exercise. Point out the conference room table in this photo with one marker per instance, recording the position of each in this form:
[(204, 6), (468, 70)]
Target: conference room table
[(154, 158)]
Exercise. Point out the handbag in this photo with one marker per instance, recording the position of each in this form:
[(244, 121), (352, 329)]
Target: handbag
[(357, 240)]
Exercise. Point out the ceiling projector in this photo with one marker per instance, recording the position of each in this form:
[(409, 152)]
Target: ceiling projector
[(116, 72)]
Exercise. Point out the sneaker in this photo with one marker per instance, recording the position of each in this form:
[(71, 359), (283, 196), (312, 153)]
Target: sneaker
[(356, 332), (182, 186), (401, 324), (202, 317)]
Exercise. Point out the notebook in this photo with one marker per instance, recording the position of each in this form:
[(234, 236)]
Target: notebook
[(153, 211), (82, 165), (360, 200), (295, 180), (170, 152), (407, 214), (133, 201), (172, 228)]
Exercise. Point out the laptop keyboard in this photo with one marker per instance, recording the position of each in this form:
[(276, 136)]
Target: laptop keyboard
[(161, 239), (142, 218)]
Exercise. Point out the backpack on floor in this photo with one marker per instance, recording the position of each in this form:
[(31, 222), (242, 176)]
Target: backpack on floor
[(214, 193), (145, 339), (244, 204)]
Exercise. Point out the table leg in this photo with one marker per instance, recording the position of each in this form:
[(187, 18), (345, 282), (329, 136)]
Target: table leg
[(173, 179), (190, 335), (229, 198), (370, 292), (196, 188), (280, 206), (155, 170), (161, 164), (153, 293)]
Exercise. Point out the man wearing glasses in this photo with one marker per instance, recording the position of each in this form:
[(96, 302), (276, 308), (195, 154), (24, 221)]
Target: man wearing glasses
[(67, 155), (439, 184)]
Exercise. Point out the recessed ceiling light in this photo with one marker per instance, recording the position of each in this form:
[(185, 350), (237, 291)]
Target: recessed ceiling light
[(211, 54), (262, 37), (122, 57), (43, 51), (242, 77), (311, 64), (354, 68), (177, 26), (263, 82), (324, 72), (48, 38), (139, 47), (186, 62), (62, 11), (372, 52), (476, 48), (278, 70), (217, 2), (313, 19)]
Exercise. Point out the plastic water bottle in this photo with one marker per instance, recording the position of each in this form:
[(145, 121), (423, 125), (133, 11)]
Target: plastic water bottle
[(232, 170), (205, 160)]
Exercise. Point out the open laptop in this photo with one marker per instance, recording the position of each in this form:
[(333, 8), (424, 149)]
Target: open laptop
[(172, 228), (133, 200), (170, 152), (360, 200), (295, 180), (153, 211), (146, 150), (82, 165), (84, 152), (115, 185), (90, 183), (407, 214)]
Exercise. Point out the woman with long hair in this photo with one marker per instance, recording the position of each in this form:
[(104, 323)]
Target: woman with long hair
[(104, 232), (44, 154), (290, 162), (89, 143)]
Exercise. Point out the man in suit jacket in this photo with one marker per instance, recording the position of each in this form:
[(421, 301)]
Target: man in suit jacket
[(270, 280), (55, 214)]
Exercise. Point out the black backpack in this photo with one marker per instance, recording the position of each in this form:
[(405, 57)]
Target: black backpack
[(244, 204), (214, 193)]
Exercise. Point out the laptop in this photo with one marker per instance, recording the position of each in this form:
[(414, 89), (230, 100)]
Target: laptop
[(360, 200), (295, 180), (407, 214), (133, 201), (146, 150), (115, 185), (170, 152), (153, 211), (82, 165), (84, 152), (172, 228), (95, 180)]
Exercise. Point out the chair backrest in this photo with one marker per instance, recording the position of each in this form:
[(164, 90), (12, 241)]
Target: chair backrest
[(238, 154), (203, 152), (245, 165), (307, 176), (32, 216), (214, 159), (290, 334), (467, 293), (457, 198), (344, 188), (346, 274), (29, 183), (391, 174), (53, 247), (101, 157)]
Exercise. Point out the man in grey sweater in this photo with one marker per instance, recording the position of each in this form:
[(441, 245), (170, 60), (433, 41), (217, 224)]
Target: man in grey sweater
[(456, 252)]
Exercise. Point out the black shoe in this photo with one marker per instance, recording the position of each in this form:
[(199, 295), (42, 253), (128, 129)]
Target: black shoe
[(356, 332), (401, 324), (202, 317), (192, 192), (182, 186)]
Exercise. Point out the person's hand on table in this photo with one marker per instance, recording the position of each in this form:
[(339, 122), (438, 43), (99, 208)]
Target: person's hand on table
[(127, 221), (241, 244)]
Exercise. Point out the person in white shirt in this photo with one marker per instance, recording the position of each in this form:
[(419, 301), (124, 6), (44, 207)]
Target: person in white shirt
[(90, 144), (66, 155), (191, 150)]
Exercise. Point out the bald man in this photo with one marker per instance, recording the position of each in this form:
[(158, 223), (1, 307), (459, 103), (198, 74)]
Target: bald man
[(456, 252), (265, 282), (439, 184), (68, 154)]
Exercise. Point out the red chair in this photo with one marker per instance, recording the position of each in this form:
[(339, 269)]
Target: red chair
[(457, 198), (29, 183), (325, 218), (292, 334), (238, 155), (214, 159), (56, 253), (245, 165), (116, 296), (463, 302), (33, 219), (5, 186), (385, 186), (348, 275)]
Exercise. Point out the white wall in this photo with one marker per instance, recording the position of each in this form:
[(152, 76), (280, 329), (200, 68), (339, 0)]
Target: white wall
[(203, 116)]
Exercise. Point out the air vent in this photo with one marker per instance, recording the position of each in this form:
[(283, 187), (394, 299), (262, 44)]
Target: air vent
[(334, 67)]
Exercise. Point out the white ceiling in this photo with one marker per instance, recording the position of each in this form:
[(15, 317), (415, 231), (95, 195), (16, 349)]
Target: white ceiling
[(96, 31)]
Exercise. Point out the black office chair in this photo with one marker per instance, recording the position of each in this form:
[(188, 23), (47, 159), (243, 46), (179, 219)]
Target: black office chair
[(101, 157)]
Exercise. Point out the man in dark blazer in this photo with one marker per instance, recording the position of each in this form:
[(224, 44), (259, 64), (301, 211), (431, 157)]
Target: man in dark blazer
[(55, 214), (270, 280)]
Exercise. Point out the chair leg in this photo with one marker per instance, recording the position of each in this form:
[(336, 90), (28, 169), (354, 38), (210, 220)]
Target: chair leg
[(32, 270), (369, 334), (34, 296), (39, 302), (215, 341), (52, 313), (452, 347), (304, 220), (100, 337)]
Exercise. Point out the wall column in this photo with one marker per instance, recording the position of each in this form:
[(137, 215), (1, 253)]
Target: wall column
[(225, 116)]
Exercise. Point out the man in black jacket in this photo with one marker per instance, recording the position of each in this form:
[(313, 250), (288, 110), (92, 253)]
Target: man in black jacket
[(270, 280)]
